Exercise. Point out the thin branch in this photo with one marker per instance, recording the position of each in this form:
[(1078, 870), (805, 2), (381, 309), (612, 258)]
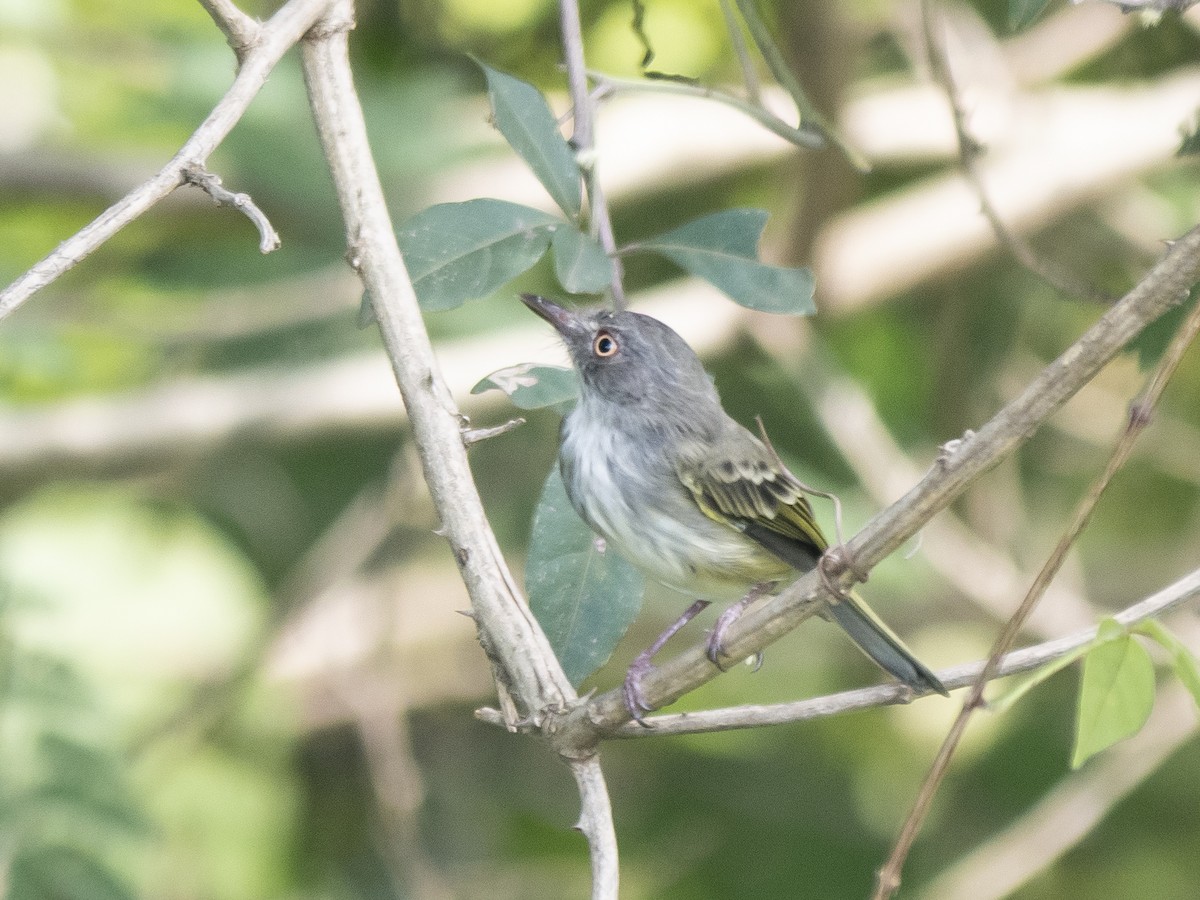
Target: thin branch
[(523, 662), (1072, 809), (472, 436), (268, 237), (240, 30), (1140, 415), (278, 34), (596, 824), (969, 151), (583, 139), (1023, 660), (742, 52), (759, 114), (1164, 286), (811, 118)]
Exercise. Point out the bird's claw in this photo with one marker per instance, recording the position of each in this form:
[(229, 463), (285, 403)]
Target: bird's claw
[(635, 699)]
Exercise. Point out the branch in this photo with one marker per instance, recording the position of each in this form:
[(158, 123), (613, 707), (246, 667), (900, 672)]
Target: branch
[(1023, 660), (596, 824), (1164, 286), (529, 677), (969, 150), (242, 32), (523, 661), (1140, 415), (278, 34), (1067, 814), (583, 139), (268, 237)]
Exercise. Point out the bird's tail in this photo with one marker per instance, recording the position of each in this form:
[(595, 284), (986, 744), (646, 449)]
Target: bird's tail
[(883, 646)]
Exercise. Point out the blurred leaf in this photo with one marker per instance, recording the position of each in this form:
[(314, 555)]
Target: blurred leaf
[(1183, 661), (88, 781), (62, 873), (457, 252), (722, 248), (1116, 695), (584, 596), (1189, 145), (580, 263), (1024, 685), (531, 386), (1023, 13), (525, 120), (1154, 338)]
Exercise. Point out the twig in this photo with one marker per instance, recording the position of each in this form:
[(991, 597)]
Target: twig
[(1165, 285), (759, 114), (1023, 660), (268, 237), (810, 116), (742, 52), (596, 824), (1140, 414), (969, 150), (241, 31), (472, 436), (278, 34), (1059, 821), (524, 664), (583, 139)]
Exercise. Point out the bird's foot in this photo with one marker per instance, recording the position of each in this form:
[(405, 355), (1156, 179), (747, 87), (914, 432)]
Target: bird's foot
[(635, 699), (716, 637)]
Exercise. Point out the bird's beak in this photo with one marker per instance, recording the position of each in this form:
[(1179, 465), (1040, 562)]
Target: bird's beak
[(566, 322)]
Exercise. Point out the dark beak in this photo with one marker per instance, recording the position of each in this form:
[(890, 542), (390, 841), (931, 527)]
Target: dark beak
[(566, 322)]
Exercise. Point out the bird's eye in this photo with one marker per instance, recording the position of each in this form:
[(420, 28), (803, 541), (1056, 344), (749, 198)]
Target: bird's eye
[(605, 345)]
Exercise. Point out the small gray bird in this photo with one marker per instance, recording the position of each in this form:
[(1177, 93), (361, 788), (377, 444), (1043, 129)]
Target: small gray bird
[(654, 465)]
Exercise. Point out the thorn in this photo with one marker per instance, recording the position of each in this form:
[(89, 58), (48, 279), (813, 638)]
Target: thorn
[(469, 613)]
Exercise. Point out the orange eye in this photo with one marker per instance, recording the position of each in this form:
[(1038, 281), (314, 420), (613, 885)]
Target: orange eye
[(605, 345)]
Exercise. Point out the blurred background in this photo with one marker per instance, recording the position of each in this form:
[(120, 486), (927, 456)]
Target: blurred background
[(232, 664)]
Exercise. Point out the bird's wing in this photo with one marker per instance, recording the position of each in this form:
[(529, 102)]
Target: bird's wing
[(740, 482)]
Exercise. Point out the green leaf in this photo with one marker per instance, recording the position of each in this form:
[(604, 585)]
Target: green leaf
[(531, 386), (524, 118), (584, 595), (1023, 13), (62, 873), (1115, 698), (1023, 686), (457, 252), (1183, 661), (88, 782), (580, 263), (1152, 342), (723, 248), (1189, 143)]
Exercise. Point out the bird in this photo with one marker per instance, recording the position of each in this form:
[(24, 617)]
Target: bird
[(653, 463)]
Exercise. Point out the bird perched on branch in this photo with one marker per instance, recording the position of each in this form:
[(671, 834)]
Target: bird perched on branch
[(654, 465)]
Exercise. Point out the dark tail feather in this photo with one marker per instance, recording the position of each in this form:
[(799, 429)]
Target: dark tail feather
[(881, 644)]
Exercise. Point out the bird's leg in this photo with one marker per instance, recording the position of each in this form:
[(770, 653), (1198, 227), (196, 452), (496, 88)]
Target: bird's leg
[(635, 700), (727, 618)]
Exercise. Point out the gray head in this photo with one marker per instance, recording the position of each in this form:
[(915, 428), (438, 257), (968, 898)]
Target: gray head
[(629, 359)]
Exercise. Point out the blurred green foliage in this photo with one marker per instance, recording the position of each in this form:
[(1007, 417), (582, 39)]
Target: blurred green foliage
[(197, 669)]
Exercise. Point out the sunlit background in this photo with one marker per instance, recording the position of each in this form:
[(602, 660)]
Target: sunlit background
[(231, 662)]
